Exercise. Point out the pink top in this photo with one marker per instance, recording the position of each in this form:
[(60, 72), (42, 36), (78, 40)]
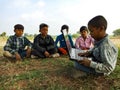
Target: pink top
[(84, 44)]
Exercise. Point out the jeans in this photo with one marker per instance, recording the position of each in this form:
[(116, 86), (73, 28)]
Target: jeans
[(22, 53), (86, 69)]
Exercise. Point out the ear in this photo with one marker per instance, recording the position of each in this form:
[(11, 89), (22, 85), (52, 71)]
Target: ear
[(39, 30), (103, 28), (14, 30)]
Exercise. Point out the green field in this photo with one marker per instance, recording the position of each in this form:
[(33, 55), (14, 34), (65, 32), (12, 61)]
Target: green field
[(51, 74)]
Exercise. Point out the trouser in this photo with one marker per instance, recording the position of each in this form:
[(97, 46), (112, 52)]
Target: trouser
[(88, 70), (22, 53), (62, 51), (41, 54)]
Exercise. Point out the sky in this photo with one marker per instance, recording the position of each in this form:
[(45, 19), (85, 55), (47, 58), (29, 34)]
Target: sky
[(55, 13)]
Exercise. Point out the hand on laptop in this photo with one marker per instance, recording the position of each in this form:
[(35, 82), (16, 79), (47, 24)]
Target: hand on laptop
[(85, 54), (85, 62)]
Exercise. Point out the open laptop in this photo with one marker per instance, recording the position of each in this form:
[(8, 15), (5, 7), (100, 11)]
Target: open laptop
[(72, 52)]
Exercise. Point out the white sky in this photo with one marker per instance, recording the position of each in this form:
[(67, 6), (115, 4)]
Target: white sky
[(55, 13)]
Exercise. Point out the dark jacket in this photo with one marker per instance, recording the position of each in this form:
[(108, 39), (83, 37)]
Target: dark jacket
[(44, 44)]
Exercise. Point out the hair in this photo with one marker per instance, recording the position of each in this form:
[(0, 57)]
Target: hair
[(64, 27), (42, 25), (98, 21), (18, 26), (83, 28)]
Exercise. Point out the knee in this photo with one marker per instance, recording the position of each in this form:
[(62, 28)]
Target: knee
[(7, 54)]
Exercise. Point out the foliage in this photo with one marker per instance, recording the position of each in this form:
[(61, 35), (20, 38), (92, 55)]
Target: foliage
[(75, 35), (30, 35), (3, 34), (116, 32)]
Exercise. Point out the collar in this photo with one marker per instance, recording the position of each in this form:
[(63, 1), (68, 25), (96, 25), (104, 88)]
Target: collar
[(18, 37), (100, 41)]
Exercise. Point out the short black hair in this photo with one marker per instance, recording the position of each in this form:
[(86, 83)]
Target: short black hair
[(83, 28), (64, 27), (42, 25), (18, 26), (98, 21)]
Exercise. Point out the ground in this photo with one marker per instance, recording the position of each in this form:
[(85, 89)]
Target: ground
[(51, 74)]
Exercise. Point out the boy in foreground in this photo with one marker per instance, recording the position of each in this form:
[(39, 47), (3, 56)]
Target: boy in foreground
[(104, 54)]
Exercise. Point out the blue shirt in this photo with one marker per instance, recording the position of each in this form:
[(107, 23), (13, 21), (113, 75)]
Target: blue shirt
[(60, 40)]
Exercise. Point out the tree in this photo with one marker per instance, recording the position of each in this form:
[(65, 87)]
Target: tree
[(26, 34), (3, 34), (116, 32)]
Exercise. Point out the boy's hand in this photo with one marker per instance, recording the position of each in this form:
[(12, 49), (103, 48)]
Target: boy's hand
[(85, 54), (28, 52), (46, 54), (85, 62), (17, 56), (81, 54)]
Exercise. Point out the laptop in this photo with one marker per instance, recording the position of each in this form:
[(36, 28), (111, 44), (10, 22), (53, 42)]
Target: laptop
[(72, 52)]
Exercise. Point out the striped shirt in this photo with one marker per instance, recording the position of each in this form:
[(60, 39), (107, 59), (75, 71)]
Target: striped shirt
[(104, 56), (14, 44)]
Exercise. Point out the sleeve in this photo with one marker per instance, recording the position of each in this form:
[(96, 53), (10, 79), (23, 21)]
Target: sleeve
[(77, 43), (51, 44), (37, 46), (28, 43), (8, 46), (109, 58)]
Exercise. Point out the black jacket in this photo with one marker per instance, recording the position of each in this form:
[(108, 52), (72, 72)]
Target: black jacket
[(43, 44)]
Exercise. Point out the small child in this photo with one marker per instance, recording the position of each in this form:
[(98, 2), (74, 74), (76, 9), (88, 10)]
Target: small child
[(16, 44), (85, 41), (44, 45), (60, 43), (104, 54)]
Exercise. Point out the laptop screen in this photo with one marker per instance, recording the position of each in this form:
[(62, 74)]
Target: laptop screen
[(72, 52), (67, 41)]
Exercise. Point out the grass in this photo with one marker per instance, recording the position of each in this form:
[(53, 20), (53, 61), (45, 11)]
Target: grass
[(51, 74)]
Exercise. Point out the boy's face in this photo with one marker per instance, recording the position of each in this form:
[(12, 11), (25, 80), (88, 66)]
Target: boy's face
[(19, 32), (94, 32), (44, 31), (84, 33)]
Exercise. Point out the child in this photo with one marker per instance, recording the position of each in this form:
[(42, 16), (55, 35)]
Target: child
[(60, 39), (85, 41), (44, 46), (104, 54), (16, 44)]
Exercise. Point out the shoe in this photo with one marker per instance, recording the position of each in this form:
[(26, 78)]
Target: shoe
[(34, 57), (55, 55), (8, 55)]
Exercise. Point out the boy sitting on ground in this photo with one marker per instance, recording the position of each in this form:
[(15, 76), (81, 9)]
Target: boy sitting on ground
[(16, 44), (44, 46)]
